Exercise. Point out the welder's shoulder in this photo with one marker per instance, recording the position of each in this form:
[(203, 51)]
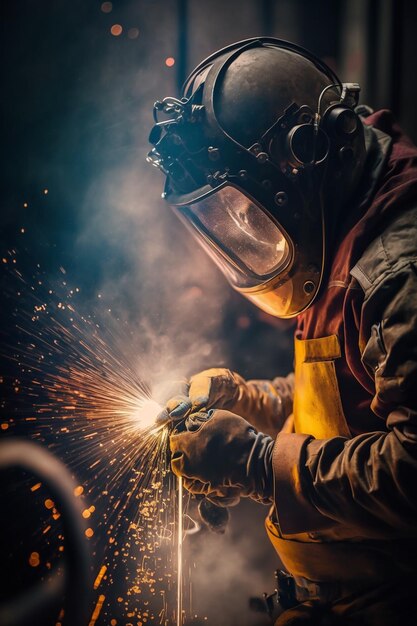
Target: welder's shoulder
[(390, 257)]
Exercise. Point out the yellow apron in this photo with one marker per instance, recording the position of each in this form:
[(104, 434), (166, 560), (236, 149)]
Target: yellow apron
[(331, 554)]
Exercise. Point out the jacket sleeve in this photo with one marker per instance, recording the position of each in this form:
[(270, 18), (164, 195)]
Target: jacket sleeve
[(368, 482), (271, 402)]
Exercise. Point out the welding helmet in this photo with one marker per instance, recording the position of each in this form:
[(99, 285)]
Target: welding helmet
[(257, 155)]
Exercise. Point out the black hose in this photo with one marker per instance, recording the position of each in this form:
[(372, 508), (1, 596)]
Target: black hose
[(75, 583)]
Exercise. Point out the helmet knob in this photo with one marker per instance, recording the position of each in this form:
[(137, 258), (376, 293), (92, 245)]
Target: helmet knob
[(305, 146), (342, 122)]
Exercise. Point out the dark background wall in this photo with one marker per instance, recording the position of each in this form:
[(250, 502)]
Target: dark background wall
[(77, 104)]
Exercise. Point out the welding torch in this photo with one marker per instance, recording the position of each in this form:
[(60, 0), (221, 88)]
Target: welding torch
[(215, 517)]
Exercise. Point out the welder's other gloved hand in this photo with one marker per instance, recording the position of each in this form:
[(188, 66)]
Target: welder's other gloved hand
[(223, 457), (265, 403)]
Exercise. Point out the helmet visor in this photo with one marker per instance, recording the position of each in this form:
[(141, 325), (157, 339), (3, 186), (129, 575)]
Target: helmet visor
[(244, 240)]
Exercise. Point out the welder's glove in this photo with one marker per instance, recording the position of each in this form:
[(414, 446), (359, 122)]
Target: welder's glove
[(223, 457), (266, 403)]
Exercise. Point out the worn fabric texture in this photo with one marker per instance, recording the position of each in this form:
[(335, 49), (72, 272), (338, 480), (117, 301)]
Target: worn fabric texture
[(366, 482)]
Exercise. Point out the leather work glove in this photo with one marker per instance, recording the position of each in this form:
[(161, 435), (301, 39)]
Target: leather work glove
[(223, 457), (265, 403)]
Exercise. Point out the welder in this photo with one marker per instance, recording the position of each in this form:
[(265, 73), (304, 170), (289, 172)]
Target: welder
[(307, 202)]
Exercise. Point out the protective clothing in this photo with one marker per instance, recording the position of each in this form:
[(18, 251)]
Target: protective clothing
[(350, 497), (223, 457), (255, 154), (345, 474), (266, 404), (345, 478)]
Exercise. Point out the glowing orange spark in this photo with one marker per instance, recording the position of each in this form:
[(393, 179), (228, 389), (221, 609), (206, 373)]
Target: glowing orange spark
[(116, 30), (34, 559), (97, 610), (74, 369), (100, 575)]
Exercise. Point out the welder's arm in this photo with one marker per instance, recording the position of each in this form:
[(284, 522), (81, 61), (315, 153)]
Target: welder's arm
[(370, 481), (266, 404)]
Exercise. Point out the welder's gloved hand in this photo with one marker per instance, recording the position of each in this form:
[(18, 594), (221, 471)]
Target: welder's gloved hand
[(265, 403), (223, 457)]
